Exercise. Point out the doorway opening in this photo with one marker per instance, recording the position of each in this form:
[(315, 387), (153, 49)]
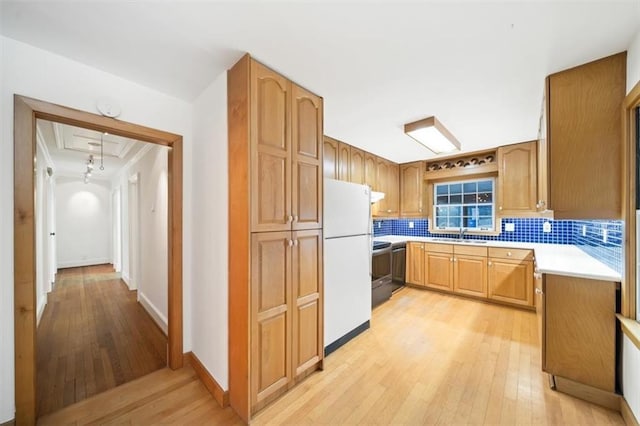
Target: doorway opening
[(26, 112)]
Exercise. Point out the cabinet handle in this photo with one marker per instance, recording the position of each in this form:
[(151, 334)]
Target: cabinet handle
[(295, 243), (489, 263), (290, 243), (500, 208), (295, 218), (539, 291), (289, 219), (420, 209), (509, 253), (537, 275), (389, 211), (451, 259)]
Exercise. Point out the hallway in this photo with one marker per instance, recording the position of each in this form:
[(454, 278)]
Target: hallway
[(93, 336)]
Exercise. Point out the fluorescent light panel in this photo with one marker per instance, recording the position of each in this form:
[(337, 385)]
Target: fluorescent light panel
[(432, 134)]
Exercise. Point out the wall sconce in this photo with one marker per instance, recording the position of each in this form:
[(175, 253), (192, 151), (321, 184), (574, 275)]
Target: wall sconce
[(432, 134)]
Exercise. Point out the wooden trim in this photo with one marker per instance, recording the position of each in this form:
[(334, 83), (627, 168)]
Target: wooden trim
[(239, 238), (221, 396), (26, 112), (627, 415), (631, 101), (631, 328), (597, 396)]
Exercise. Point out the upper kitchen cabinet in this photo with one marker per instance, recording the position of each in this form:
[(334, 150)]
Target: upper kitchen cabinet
[(388, 175), (412, 189), (356, 169), (286, 154), (370, 171), (344, 162), (517, 180), (330, 159), (584, 140)]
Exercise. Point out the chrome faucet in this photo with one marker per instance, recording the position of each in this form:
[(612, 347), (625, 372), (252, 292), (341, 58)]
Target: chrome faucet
[(462, 231)]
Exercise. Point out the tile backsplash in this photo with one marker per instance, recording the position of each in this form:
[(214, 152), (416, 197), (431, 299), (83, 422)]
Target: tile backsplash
[(588, 235)]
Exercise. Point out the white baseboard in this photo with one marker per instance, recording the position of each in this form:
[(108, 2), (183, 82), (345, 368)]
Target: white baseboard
[(157, 316), (85, 262), (41, 306)]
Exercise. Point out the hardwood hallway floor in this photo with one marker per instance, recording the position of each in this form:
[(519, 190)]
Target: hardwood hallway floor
[(429, 358), (93, 336)]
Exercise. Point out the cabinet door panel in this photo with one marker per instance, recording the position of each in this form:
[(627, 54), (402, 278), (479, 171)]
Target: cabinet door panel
[(415, 263), (411, 189), (356, 173), (271, 193), (470, 275), (308, 319), (307, 142), (344, 161), (511, 281), (271, 313), (517, 179), (438, 270), (330, 158), (270, 151), (370, 171)]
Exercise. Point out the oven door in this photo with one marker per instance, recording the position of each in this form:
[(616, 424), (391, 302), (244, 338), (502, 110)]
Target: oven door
[(380, 276)]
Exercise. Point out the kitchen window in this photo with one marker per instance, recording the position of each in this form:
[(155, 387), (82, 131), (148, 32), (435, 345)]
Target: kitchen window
[(465, 204)]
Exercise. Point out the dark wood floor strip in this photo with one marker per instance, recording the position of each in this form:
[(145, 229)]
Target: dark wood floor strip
[(93, 336)]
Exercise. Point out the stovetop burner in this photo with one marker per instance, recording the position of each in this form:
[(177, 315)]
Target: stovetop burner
[(377, 245)]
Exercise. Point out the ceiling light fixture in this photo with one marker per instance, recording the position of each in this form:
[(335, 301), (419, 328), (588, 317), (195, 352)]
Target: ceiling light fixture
[(432, 134)]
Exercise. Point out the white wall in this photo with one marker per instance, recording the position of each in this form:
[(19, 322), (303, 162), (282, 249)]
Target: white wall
[(630, 352), (210, 248), (633, 62), (83, 222), (40, 74)]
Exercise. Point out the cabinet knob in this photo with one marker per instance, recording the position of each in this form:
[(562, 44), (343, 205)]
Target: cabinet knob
[(389, 211), (537, 275), (489, 263), (420, 209), (290, 243), (539, 291), (509, 253), (289, 219), (500, 208), (451, 259), (295, 218), (295, 243)]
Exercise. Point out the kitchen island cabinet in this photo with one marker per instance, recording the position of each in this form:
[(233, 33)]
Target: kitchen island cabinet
[(579, 336)]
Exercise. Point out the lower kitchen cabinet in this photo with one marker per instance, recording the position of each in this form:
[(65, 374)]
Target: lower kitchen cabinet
[(510, 276), (470, 270), (415, 263), (286, 305), (504, 275), (438, 266)]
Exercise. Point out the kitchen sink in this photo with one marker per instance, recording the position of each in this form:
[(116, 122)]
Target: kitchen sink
[(457, 240)]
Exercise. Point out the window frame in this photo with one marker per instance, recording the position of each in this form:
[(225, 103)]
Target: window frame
[(433, 228)]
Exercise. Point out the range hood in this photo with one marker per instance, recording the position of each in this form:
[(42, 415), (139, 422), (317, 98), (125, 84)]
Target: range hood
[(376, 196)]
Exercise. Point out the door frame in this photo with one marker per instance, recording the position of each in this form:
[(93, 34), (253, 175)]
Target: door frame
[(26, 112)]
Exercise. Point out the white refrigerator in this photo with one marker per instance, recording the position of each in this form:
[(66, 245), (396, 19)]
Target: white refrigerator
[(347, 261)]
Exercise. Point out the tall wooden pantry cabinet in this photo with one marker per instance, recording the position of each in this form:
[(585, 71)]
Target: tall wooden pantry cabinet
[(275, 235)]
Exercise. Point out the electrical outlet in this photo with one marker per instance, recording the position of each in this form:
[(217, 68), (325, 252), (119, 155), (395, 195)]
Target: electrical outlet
[(379, 225), (509, 227), (584, 230), (410, 225), (546, 227), (604, 235)]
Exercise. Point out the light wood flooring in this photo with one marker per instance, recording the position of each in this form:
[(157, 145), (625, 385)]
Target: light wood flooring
[(93, 336), (429, 358)]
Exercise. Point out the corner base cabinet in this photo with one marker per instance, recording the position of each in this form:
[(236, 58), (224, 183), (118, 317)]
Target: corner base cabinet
[(275, 235)]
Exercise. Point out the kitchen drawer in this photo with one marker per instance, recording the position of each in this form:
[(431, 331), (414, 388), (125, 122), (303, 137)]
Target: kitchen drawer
[(470, 250), (510, 253), (438, 248)]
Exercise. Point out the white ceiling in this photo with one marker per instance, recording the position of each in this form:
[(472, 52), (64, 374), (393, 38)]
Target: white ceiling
[(479, 67), (69, 148)]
